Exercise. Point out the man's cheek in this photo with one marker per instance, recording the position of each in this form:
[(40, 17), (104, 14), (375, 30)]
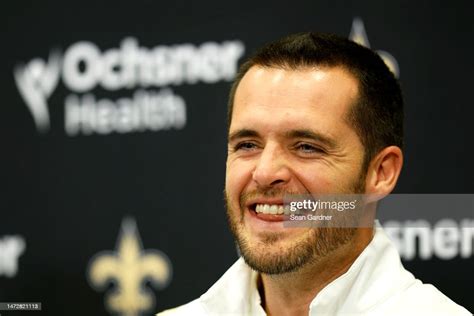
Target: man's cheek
[(237, 178), (232, 192)]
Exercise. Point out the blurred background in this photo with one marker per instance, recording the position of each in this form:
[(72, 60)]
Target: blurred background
[(113, 128)]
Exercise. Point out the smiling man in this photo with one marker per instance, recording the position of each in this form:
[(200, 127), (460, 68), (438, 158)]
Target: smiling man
[(313, 114)]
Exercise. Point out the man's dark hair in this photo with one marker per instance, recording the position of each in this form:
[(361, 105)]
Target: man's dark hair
[(377, 115)]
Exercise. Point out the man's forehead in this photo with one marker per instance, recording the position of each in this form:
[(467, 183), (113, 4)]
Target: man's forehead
[(278, 73), (274, 74), (315, 84), (305, 94)]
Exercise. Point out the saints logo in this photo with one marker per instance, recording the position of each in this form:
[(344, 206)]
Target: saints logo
[(129, 268), (359, 36)]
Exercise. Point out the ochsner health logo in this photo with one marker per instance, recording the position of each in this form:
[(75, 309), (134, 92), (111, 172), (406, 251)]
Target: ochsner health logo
[(84, 67)]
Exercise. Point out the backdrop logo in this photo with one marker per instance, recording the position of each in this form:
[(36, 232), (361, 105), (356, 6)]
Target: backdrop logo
[(418, 239), (84, 67), (129, 268), (11, 248), (359, 35)]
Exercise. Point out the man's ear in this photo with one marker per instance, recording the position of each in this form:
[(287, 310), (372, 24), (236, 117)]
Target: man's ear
[(383, 171)]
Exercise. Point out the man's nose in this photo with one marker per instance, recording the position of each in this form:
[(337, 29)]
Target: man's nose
[(272, 167)]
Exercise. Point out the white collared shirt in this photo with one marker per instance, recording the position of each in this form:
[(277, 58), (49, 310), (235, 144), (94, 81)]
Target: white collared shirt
[(375, 284)]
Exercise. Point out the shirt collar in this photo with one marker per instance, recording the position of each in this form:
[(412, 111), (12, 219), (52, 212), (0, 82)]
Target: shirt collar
[(235, 293)]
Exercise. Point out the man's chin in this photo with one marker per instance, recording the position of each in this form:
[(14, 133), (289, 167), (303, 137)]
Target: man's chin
[(271, 263), (273, 254), (277, 253)]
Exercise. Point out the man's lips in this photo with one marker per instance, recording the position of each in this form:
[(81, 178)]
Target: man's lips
[(269, 217)]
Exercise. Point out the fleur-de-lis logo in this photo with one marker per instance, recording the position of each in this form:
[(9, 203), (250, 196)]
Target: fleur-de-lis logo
[(359, 35), (129, 268)]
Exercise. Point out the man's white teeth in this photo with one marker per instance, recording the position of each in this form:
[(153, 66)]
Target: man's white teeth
[(272, 209)]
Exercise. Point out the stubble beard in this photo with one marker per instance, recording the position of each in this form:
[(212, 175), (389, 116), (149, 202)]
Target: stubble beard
[(314, 245)]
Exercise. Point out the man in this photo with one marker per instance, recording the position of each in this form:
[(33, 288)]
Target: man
[(313, 114)]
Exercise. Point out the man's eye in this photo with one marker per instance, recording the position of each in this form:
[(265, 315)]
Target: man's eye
[(308, 149), (245, 146)]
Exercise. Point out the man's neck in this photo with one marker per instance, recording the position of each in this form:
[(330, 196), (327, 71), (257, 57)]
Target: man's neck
[(292, 293)]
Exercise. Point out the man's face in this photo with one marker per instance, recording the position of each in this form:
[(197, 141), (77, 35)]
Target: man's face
[(289, 136)]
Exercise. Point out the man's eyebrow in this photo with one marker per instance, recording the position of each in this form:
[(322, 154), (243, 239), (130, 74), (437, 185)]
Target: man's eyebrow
[(309, 134), (242, 133)]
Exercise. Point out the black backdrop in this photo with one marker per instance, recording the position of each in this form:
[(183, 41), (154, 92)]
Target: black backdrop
[(66, 196)]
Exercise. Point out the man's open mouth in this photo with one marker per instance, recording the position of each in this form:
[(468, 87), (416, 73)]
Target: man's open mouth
[(270, 212)]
